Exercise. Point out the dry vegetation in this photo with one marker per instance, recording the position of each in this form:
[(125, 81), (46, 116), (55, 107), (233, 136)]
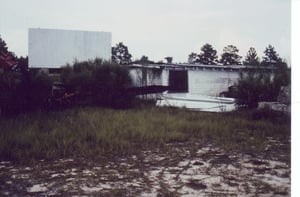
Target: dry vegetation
[(92, 132)]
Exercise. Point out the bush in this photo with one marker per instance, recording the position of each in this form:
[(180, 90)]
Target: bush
[(78, 77), (20, 92), (88, 82), (111, 83), (39, 90), (9, 83), (99, 83), (270, 115), (258, 84)]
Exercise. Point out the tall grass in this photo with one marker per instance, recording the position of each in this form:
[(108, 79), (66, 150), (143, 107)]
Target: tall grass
[(97, 131)]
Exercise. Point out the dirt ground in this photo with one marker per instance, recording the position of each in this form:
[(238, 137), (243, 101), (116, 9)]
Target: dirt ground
[(179, 170)]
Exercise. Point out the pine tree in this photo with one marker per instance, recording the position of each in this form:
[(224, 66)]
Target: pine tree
[(271, 56), (208, 55), (3, 47), (192, 58), (230, 56), (120, 54), (251, 58)]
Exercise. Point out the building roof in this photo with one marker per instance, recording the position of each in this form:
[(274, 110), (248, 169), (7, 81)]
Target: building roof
[(198, 67)]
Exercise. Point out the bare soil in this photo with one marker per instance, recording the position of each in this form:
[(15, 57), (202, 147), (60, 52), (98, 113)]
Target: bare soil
[(178, 170)]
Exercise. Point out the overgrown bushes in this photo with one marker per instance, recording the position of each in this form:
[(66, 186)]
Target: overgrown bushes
[(92, 131), (261, 84), (99, 83), (23, 91), (90, 82)]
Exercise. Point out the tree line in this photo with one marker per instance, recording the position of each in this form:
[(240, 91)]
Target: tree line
[(207, 56), (87, 83), (120, 55), (101, 83), (230, 56), (255, 83)]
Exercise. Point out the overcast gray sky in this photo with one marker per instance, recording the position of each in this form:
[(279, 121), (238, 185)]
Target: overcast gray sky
[(157, 28)]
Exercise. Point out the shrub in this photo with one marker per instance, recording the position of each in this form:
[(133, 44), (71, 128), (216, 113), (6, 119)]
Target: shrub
[(258, 84), (111, 83), (9, 83), (78, 77), (20, 92), (98, 82), (39, 90)]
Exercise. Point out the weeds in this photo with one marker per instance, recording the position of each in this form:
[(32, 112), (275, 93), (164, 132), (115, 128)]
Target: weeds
[(93, 132)]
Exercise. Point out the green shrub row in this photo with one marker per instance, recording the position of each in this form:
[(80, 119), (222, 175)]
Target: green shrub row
[(98, 83), (91, 83)]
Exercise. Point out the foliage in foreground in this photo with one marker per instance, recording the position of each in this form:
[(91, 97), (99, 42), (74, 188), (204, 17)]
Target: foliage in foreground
[(23, 91), (98, 83), (92, 82), (258, 84), (93, 132)]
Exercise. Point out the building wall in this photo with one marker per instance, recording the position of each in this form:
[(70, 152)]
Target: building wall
[(52, 48), (148, 77), (211, 82)]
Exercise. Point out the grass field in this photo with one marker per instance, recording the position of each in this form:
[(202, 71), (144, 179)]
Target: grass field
[(91, 132)]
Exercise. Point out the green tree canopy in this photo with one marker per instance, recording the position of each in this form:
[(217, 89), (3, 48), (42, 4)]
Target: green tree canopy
[(98, 82), (169, 59), (257, 84), (192, 58), (251, 58), (271, 56), (120, 54), (3, 47), (208, 55), (144, 60), (230, 56)]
